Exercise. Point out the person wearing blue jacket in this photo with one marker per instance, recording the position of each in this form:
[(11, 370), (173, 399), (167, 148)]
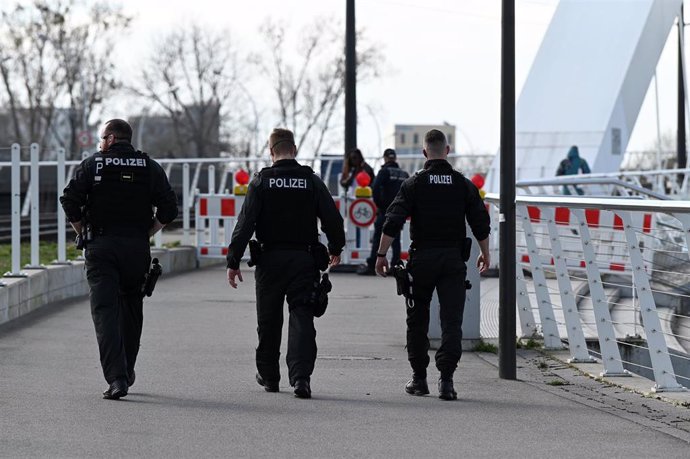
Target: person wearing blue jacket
[(572, 165)]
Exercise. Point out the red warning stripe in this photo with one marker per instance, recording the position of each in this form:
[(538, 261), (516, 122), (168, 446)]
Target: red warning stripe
[(617, 222), (647, 223), (203, 207), (227, 207), (562, 216), (592, 217)]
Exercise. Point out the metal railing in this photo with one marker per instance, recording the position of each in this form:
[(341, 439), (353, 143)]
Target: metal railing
[(189, 179), (591, 268), (671, 183)]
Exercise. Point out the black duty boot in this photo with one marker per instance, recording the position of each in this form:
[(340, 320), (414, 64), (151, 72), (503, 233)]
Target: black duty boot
[(446, 390), (302, 388), (417, 386), (117, 389), (269, 386), (131, 378)]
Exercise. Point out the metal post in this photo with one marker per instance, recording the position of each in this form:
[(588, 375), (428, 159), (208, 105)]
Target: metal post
[(527, 322), (61, 236), (35, 212), (16, 212), (664, 377), (681, 143), (573, 324), (610, 354), (350, 78), (198, 226), (211, 179), (506, 316), (185, 203), (552, 338)]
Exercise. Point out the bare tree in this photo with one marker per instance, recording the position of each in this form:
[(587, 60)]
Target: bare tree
[(308, 89), (50, 59), (85, 52), (31, 77), (192, 75)]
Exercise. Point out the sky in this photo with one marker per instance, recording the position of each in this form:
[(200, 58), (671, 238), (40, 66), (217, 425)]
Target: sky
[(442, 58)]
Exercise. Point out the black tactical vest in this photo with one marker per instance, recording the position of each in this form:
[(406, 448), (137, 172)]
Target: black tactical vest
[(438, 211), (288, 206), (120, 197), (396, 177)]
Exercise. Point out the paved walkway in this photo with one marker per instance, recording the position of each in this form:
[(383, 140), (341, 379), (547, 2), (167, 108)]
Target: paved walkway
[(195, 394)]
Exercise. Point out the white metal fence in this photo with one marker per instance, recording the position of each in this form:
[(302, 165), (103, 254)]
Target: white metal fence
[(190, 176), (611, 270)]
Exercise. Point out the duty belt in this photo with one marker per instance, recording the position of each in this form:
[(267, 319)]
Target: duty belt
[(287, 246), (121, 232), (436, 244)]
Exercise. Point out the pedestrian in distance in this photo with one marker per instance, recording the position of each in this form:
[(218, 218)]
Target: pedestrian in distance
[(572, 165), (354, 165), (385, 188), (439, 200), (282, 205), (110, 203)]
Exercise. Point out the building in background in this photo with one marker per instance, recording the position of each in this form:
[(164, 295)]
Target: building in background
[(178, 136), (409, 138)]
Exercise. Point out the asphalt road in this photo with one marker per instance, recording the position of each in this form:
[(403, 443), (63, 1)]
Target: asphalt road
[(195, 394)]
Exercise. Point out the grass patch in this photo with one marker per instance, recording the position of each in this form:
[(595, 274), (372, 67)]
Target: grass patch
[(486, 347), (542, 365), (556, 382), (530, 344), (47, 254), (172, 244)]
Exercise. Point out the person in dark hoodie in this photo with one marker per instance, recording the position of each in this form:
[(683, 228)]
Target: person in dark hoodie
[(572, 165), (385, 188)]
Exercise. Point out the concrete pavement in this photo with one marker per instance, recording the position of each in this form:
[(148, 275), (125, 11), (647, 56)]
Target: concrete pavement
[(195, 394)]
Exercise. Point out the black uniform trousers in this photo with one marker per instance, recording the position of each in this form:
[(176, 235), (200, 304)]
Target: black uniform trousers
[(280, 274), (378, 230), (442, 269), (115, 269)]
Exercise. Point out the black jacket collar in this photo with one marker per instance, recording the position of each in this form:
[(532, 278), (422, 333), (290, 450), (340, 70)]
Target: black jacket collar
[(286, 163), (120, 147), (437, 164)]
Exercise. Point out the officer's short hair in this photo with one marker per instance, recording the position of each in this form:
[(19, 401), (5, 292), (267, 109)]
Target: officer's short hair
[(281, 140), (119, 128), (435, 141)]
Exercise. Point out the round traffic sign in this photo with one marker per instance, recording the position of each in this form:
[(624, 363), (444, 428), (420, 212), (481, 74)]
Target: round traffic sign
[(84, 138), (362, 212)]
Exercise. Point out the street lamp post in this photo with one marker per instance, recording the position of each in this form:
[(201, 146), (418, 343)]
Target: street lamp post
[(507, 293)]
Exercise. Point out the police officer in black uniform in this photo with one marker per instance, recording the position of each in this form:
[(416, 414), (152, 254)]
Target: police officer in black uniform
[(438, 199), (282, 205), (110, 202), (385, 188)]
